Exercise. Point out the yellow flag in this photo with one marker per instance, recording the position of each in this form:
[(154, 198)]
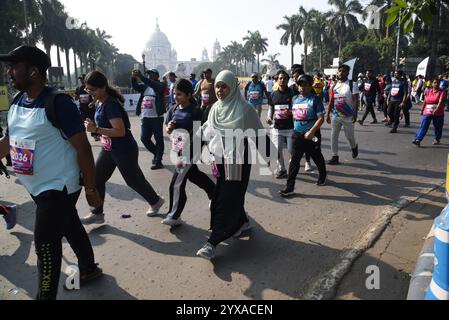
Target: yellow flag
[(4, 101)]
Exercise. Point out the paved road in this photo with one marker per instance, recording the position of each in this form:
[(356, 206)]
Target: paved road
[(292, 244)]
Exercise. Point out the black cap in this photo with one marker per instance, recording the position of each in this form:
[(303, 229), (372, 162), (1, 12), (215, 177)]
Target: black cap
[(153, 71), (172, 74), (306, 78), (31, 55), (82, 77)]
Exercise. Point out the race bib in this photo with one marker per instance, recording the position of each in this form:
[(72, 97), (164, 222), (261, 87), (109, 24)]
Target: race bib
[(214, 168), (178, 141), (84, 98), (282, 112), (148, 103), (254, 95), (106, 142), (22, 155), (395, 91), (300, 112), (430, 109), (205, 98), (367, 87)]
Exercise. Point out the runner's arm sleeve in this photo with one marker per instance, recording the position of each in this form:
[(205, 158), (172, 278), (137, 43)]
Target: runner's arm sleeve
[(68, 116)]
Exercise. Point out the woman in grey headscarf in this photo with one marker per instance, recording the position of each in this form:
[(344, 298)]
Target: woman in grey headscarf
[(231, 112)]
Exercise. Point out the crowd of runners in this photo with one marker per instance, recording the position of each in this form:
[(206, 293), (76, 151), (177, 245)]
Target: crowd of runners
[(52, 157)]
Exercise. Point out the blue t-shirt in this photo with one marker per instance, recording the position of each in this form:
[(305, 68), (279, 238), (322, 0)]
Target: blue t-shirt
[(306, 111), (444, 84), (398, 90), (66, 111), (184, 117), (255, 93), (112, 109)]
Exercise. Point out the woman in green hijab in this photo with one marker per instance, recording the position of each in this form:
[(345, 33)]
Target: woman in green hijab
[(230, 113)]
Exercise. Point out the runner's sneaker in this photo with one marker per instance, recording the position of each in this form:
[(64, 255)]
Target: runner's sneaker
[(87, 276), (90, 275), (308, 167), (355, 152), (154, 209), (93, 219), (281, 174), (417, 143), (207, 252), (172, 222), (322, 181), (286, 193), (246, 227), (10, 217), (334, 161), (436, 143)]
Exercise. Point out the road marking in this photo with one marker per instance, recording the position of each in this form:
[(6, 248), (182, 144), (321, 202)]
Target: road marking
[(326, 286)]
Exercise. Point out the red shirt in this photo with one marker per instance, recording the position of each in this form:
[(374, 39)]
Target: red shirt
[(433, 98)]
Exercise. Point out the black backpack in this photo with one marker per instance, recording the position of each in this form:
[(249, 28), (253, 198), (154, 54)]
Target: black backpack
[(50, 109)]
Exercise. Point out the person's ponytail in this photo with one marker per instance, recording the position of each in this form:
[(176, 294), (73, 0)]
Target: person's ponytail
[(114, 93)]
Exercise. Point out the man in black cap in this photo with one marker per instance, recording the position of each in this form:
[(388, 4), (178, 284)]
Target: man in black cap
[(151, 109), (48, 155), (86, 109), (171, 82), (193, 80)]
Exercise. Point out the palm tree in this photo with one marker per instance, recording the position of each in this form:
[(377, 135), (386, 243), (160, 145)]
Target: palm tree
[(319, 31), (258, 45), (290, 31), (343, 19), (304, 23), (272, 58), (248, 56)]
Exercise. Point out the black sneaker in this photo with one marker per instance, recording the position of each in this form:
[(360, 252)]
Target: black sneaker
[(373, 122), (282, 175), (321, 181), (87, 276), (157, 166), (394, 130), (286, 193), (334, 161), (355, 152), (388, 124), (360, 122), (90, 275), (417, 143)]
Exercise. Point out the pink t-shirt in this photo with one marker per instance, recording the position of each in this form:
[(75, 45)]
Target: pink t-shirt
[(432, 102)]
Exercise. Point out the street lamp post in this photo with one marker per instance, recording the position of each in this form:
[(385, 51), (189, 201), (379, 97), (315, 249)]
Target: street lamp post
[(396, 64), (25, 13), (143, 60)]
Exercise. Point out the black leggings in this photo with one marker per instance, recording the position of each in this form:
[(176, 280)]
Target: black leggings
[(178, 196), (56, 217), (370, 101), (301, 146), (129, 168)]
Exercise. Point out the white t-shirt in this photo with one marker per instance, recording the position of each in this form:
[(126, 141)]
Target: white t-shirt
[(343, 102), (149, 104), (269, 84)]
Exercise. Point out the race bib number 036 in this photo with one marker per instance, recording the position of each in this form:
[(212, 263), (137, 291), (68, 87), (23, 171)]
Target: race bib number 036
[(22, 155)]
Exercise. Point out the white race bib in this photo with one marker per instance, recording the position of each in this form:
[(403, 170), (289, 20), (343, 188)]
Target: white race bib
[(22, 155)]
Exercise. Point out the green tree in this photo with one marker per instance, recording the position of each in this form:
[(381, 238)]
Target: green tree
[(343, 19), (289, 27), (258, 45)]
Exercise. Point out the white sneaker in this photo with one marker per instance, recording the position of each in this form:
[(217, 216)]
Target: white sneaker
[(154, 209), (207, 252), (172, 222), (92, 219), (246, 227), (308, 167)]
